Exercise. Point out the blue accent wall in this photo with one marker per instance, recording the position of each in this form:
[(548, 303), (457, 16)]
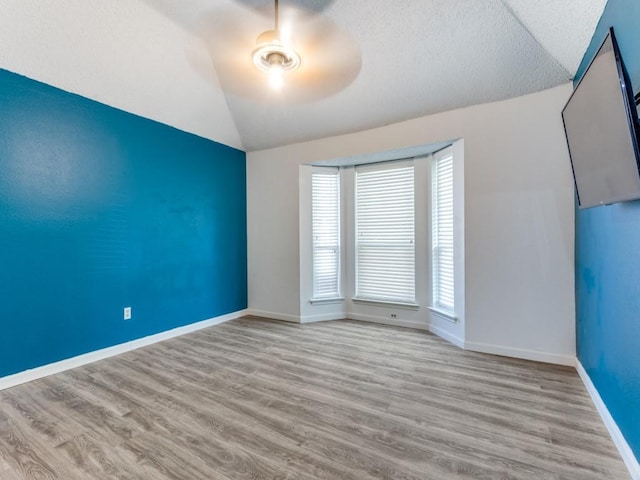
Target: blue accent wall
[(101, 209), (608, 265)]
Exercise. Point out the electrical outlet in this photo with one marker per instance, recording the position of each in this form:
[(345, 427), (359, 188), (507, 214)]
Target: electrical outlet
[(394, 315), (127, 313)]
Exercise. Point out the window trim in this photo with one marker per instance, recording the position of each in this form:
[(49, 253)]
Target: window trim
[(326, 300), (446, 314)]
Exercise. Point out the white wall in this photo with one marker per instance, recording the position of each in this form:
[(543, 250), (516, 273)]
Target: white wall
[(272, 236), (519, 289)]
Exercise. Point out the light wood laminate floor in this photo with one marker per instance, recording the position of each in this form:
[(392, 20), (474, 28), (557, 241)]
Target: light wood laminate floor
[(259, 399)]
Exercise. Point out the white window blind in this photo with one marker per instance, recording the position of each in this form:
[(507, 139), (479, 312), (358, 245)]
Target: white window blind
[(442, 236), (325, 203), (385, 249)]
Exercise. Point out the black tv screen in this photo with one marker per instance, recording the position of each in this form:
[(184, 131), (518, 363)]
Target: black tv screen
[(601, 125)]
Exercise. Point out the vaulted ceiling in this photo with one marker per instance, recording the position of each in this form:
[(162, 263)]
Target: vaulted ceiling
[(416, 57)]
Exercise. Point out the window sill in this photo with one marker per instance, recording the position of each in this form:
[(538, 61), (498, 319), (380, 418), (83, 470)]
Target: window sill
[(325, 301), (386, 303), (445, 314)]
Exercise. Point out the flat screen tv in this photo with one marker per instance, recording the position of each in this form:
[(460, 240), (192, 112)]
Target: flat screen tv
[(602, 129)]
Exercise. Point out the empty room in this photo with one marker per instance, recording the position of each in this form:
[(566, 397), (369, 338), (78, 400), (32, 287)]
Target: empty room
[(319, 239)]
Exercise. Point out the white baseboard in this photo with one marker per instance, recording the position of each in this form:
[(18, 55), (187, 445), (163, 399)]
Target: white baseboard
[(387, 321), (84, 359), (616, 435), (448, 336), (322, 318), (535, 355), (285, 317)]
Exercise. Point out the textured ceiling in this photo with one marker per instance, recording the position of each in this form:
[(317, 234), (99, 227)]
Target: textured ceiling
[(564, 27), (153, 58)]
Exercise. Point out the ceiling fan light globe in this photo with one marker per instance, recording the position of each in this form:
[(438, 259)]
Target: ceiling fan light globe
[(276, 77)]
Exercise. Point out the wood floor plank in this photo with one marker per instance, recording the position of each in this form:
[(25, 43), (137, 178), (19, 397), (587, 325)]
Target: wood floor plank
[(260, 399), (42, 417), (93, 457)]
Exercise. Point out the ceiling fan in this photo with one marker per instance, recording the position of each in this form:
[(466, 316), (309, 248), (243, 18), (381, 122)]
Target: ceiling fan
[(273, 54), (299, 56)]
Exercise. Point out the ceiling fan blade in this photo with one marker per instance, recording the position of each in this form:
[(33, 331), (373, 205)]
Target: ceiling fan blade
[(331, 59)]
